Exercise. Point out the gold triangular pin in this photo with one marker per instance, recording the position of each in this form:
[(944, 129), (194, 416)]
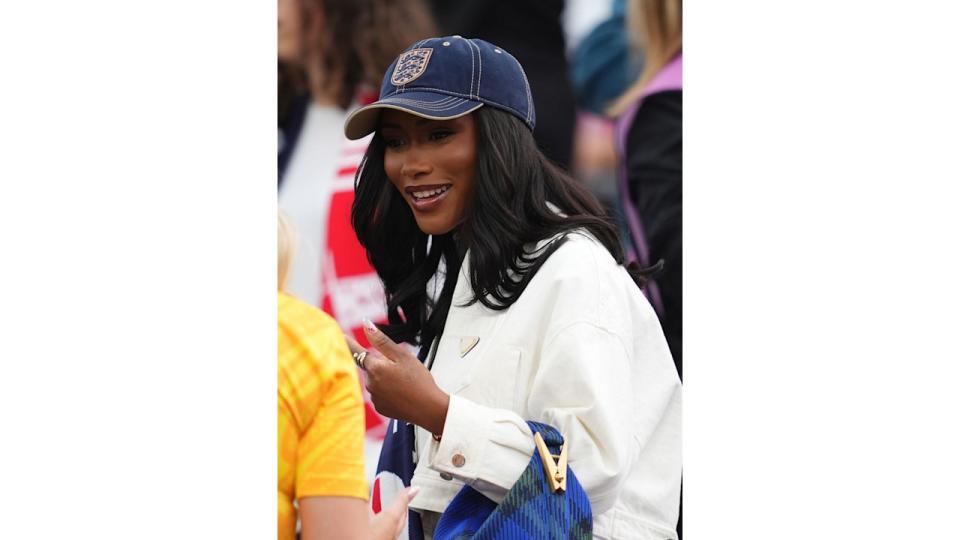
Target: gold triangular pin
[(467, 344)]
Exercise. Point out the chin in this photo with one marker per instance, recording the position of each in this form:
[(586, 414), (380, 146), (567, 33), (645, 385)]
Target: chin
[(434, 228)]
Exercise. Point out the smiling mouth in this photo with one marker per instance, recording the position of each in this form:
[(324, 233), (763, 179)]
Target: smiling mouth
[(426, 193)]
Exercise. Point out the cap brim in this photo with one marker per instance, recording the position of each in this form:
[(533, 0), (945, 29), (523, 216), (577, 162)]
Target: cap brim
[(363, 121)]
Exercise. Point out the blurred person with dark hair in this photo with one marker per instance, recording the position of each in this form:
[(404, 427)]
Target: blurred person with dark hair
[(320, 477), (650, 146), (532, 31)]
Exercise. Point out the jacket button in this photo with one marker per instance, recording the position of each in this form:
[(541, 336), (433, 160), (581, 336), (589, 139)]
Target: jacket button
[(446, 476), (458, 460)]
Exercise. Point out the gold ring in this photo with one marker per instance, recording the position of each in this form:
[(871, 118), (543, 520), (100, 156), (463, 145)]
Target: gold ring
[(358, 359)]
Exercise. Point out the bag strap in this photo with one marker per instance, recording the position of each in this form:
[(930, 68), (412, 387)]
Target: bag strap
[(550, 435)]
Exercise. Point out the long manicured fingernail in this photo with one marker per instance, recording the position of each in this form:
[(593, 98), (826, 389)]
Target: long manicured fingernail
[(368, 324), (412, 492)]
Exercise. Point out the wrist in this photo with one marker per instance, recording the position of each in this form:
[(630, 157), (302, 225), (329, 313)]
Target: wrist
[(438, 413)]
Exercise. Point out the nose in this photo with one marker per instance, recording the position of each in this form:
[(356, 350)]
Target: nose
[(415, 163)]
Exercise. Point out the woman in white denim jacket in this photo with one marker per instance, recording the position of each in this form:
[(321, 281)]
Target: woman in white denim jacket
[(537, 317)]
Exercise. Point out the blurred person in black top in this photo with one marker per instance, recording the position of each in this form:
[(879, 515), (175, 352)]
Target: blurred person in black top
[(655, 170), (532, 31), (650, 114)]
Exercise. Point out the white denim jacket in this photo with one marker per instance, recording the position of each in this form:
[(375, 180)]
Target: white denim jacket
[(581, 350)]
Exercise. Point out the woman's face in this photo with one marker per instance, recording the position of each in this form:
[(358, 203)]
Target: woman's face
[(432, 163)]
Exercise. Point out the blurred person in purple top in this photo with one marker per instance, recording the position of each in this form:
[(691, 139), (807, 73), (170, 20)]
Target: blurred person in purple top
[(650, 146)]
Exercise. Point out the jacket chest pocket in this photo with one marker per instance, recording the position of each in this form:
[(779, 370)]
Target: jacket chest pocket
[(495, 380), (490, 378)]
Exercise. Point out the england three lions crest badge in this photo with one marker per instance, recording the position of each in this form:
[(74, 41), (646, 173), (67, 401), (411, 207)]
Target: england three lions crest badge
[(410, 65)]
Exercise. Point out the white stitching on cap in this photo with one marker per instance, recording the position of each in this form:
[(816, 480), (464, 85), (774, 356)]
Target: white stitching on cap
[(425, 115), (480, 61), (445, 91), (440, 103), (471, 98), (471, 71), (444, 100), (453, 102), (529, 96), (423, 105)]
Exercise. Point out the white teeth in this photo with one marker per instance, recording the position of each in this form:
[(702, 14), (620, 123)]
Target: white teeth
[(429, 192)]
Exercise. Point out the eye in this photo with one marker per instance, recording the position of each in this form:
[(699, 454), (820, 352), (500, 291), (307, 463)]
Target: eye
[(440, 134), (393, 142)]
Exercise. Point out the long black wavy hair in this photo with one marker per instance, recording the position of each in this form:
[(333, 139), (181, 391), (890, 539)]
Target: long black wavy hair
[(507, 216)]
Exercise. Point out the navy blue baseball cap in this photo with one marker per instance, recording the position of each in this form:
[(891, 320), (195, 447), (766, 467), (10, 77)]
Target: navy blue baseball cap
[(448, 77)]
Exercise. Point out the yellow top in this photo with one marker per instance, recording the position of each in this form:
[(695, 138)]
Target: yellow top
[(320, 412)]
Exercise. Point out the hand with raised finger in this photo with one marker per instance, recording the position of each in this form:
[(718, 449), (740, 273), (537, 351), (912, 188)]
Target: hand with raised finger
[(400, 385)]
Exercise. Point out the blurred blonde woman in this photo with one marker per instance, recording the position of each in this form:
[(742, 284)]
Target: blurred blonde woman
[(656, 27), (649, 141), (320, 475)]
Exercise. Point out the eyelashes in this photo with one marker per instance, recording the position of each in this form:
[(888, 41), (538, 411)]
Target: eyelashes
[(433, 136), (440, 134)]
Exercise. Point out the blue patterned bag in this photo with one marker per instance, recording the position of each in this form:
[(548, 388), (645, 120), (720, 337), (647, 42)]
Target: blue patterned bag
[(531, 509)]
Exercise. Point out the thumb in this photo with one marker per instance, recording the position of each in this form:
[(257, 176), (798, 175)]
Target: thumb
[(382, 342), (399, 505), (389, 523), (411, 493), (400, 501), (393, 517)]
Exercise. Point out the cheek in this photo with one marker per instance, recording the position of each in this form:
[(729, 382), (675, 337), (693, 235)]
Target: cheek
[(466, 197), (391, 166), (464, 162)]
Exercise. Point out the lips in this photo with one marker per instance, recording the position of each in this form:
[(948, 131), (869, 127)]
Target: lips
[(426, 197)]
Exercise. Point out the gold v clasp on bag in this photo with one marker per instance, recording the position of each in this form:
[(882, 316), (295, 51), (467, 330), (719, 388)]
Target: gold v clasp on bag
[(467, 344), (556, 470)]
